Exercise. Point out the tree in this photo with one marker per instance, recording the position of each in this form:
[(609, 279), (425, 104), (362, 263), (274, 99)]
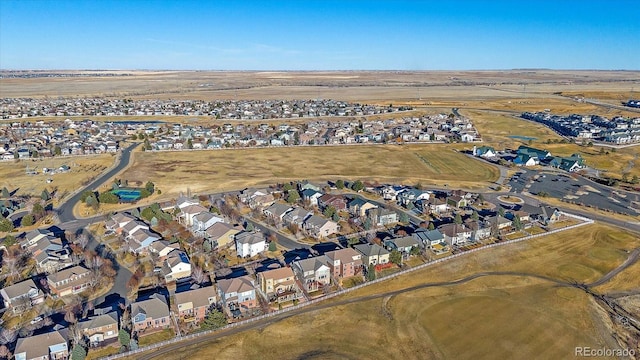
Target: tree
[(340, 184), (371, 273), (329, 211), (287, 187), (6, 225), (149, 186), (198, 275), (189, 144), (395, 257), (249, 226), (367, 224), (335, 217), (517, 223), (273, 246), (5, 353), (415, 251), (458, 219), (474, 215), (634, 179), (501, 211), (38, 211), (27, 220), (57, 150), (108, 197), (86, 194), (9, 240), (214, 320), (78, 352), (357, 186), (293, 196), (124, 337), (481, 198), (431, 226), (45, 195), (5, 192)]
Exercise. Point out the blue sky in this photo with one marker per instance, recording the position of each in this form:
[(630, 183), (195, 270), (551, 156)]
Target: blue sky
[(319, 35)]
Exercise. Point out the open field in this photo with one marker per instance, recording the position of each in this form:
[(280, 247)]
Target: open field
[(218, 170), (491, 317), (13, 175)]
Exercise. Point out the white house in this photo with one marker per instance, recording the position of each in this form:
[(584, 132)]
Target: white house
[(249, 244)]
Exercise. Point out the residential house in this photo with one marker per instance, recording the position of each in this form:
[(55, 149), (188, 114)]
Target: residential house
[(187, 214), (337, 201), (455, 233), (499, 222), (403, 244), (238, 293), (410, 195), (177, 266), (279, 285), (344, 263), (118, 221), (429, 238), (21, 296), (100, 328), (221, 235), (382, 217), (304, 185), (548, 215), (151, 313), (52, 345), (162, 248), (297, 216), (486, 152), (140, 241), (372, 254), (390, 192), (312, 196), (277, 211), (313, 273), (525, 160), (73, 280), (250, 243), (256, 198), (358, 207), (533, 152), (203, 221), (438, 205), (131, 227), (320, 227), (34, 236), (479, 230), (51, 255), (193, 305), (457, 201)]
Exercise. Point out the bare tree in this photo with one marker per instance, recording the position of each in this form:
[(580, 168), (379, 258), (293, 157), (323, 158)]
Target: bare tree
[(82, 240), (198, 275), (8, 336), (5, 353)]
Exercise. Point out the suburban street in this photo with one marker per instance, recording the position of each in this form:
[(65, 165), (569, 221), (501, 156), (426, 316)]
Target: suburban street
[(65, 210)]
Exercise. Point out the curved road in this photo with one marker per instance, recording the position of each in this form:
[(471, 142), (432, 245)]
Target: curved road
[(262, 323), (65, 210)]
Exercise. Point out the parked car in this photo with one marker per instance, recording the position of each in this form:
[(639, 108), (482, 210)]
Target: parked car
[(36, 320)]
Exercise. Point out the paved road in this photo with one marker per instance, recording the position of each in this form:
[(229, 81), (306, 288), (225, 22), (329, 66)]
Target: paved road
[(65, 210)]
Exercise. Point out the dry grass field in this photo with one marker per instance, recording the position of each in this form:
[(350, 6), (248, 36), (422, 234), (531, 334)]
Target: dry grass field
[(511, 317), (13, 174), (217, 170)]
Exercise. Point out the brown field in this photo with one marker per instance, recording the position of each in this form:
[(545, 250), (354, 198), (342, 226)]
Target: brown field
[(490, 317), (218, 170), (83, 168)]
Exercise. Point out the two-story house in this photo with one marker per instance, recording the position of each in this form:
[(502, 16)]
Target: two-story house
[(344, 263), (203, 221), (52, 345), (279, 285), (221, 235), (382, 217), (372, 254), (193, 305), (73, 280), (100, 328), (320, 227), (238, 293), (313, 273), (358, 207), (21, 296), (176, 266), (150, 313), (250, 243)]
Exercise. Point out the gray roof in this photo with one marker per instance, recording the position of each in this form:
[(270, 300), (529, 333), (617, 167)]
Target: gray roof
[(238, 285), (312, 264), (278, 209), (99, 321), (19, 289), (156, 307), (252, 237), (37, 346), (38, 232), (198, 297), (68, 273), (316, 221), (405, 241), (371, 249)]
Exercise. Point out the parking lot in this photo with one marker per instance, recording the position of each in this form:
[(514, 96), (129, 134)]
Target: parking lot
[(577, 189)]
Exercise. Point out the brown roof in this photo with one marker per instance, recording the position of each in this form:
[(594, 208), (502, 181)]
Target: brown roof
[(277, 274), (198, 297), (345, 256), (239, 284), (218, 229)]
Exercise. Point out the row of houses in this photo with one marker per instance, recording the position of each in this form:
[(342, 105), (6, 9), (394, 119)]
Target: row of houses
[(15, 108), (618, 130), (529, 156)]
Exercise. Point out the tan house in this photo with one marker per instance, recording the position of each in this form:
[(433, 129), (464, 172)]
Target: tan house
[(320, 227), (193, 305), (151, 313), (177, 266), (238, 293), (344, 262), (279, 285), (100, 328), (51, 345), (73, 280), (373, 254), (221, 234)]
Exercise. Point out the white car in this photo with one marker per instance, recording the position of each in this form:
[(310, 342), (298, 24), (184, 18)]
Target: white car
[(36, 320)]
